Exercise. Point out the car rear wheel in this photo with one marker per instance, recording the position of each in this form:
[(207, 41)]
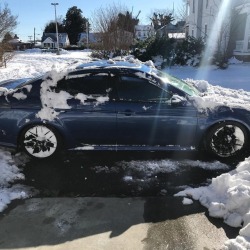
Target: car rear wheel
[(227, 139), (40, 141)]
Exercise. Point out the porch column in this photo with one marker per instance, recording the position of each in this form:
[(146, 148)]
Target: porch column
[(247, 34)]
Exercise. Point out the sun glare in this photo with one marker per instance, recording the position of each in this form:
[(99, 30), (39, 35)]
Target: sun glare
[(214, 35)]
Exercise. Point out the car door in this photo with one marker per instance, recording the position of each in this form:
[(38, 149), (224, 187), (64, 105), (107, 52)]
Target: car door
[(146, 116), (92, 117)]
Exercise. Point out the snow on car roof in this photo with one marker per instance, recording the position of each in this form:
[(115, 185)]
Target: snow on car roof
[(119, 62)]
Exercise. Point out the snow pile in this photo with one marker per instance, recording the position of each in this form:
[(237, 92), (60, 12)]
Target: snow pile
[(9, 173), (215, 96), (228, 197), (234, 60), (35, 63)]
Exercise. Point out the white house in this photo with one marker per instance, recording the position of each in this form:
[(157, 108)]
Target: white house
[(242, 47), (142, 32), (49, 40), (170, 30), (203, 19), (88, 39)]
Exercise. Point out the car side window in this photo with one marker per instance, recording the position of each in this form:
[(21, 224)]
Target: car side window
[(35, 89), (28, 93), (90, 84), (131, 88)]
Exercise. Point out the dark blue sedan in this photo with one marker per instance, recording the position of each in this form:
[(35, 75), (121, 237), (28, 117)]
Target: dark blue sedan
[(108, 105)]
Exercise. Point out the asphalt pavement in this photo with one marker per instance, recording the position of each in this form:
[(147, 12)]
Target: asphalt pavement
[(110, 223), (98, 202)]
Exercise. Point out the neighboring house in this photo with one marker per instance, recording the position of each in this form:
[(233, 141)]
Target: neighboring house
[(90, 39), (17, 44), (201, 16), (201, 22), (49, 40), (142, 32), (242, 48), (173, 30)]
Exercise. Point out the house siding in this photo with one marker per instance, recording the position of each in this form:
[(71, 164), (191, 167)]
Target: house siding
[(201, 18)]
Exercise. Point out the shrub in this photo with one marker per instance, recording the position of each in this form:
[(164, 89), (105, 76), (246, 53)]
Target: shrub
[(189, 51), (153, 47)]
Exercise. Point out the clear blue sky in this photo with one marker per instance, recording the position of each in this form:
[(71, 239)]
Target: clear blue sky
[(37, 13)]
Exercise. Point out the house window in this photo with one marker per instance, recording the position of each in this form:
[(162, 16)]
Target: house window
[(192, 32), (193, 6), (205, 30)]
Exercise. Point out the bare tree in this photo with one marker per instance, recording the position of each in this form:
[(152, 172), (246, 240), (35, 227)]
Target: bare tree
[(112, 24), (181, 13), (7, 23)]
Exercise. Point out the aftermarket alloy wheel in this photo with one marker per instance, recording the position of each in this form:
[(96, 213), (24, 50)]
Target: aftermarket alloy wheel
[(40, 141), (227, 139)]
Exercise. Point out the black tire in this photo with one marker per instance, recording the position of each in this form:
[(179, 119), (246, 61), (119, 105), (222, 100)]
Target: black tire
[(40, 141), (227, 139)]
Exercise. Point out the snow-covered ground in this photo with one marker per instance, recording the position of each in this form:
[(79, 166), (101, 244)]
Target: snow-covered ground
[(227, 196)]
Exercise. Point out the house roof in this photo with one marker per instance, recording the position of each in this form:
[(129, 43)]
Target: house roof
[(14, 41), (143, 27), (174, 27), (93, 37), (62, 37)]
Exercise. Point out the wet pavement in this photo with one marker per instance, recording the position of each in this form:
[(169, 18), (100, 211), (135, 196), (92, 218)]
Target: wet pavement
[(110, 223), (112, 174)]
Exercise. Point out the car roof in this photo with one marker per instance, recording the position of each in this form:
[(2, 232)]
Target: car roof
[(131, 63), (13, 83)]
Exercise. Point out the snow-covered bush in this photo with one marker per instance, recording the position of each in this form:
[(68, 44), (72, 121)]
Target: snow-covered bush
[(189, 51)]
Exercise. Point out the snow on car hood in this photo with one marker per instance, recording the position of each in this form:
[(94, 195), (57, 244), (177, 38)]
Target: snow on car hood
[(215, 96)]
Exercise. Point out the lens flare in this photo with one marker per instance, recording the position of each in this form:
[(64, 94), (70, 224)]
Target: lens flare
[(215, 36)]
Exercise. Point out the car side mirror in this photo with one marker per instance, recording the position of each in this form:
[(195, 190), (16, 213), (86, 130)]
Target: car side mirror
[(178, 101)]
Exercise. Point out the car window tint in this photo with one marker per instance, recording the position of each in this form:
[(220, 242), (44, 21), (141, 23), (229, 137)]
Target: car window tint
[(31, 91), (137, 89), (88, 84), (35, 89)]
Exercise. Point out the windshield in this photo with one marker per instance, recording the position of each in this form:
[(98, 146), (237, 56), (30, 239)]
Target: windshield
[(185, 87)]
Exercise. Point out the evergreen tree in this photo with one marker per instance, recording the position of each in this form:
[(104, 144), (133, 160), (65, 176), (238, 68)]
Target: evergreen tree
[(74, 24), (7, 37), (127, 22), (51, 28)]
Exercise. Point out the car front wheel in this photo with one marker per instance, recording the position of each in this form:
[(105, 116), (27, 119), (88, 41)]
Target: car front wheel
[(227, 139), (40, 141)]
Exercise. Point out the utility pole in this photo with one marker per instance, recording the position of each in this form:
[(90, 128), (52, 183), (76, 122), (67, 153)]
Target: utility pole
[(34, 37), (87, 31), (57, 40)]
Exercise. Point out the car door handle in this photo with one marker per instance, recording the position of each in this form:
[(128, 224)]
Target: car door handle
[(126, 112)]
